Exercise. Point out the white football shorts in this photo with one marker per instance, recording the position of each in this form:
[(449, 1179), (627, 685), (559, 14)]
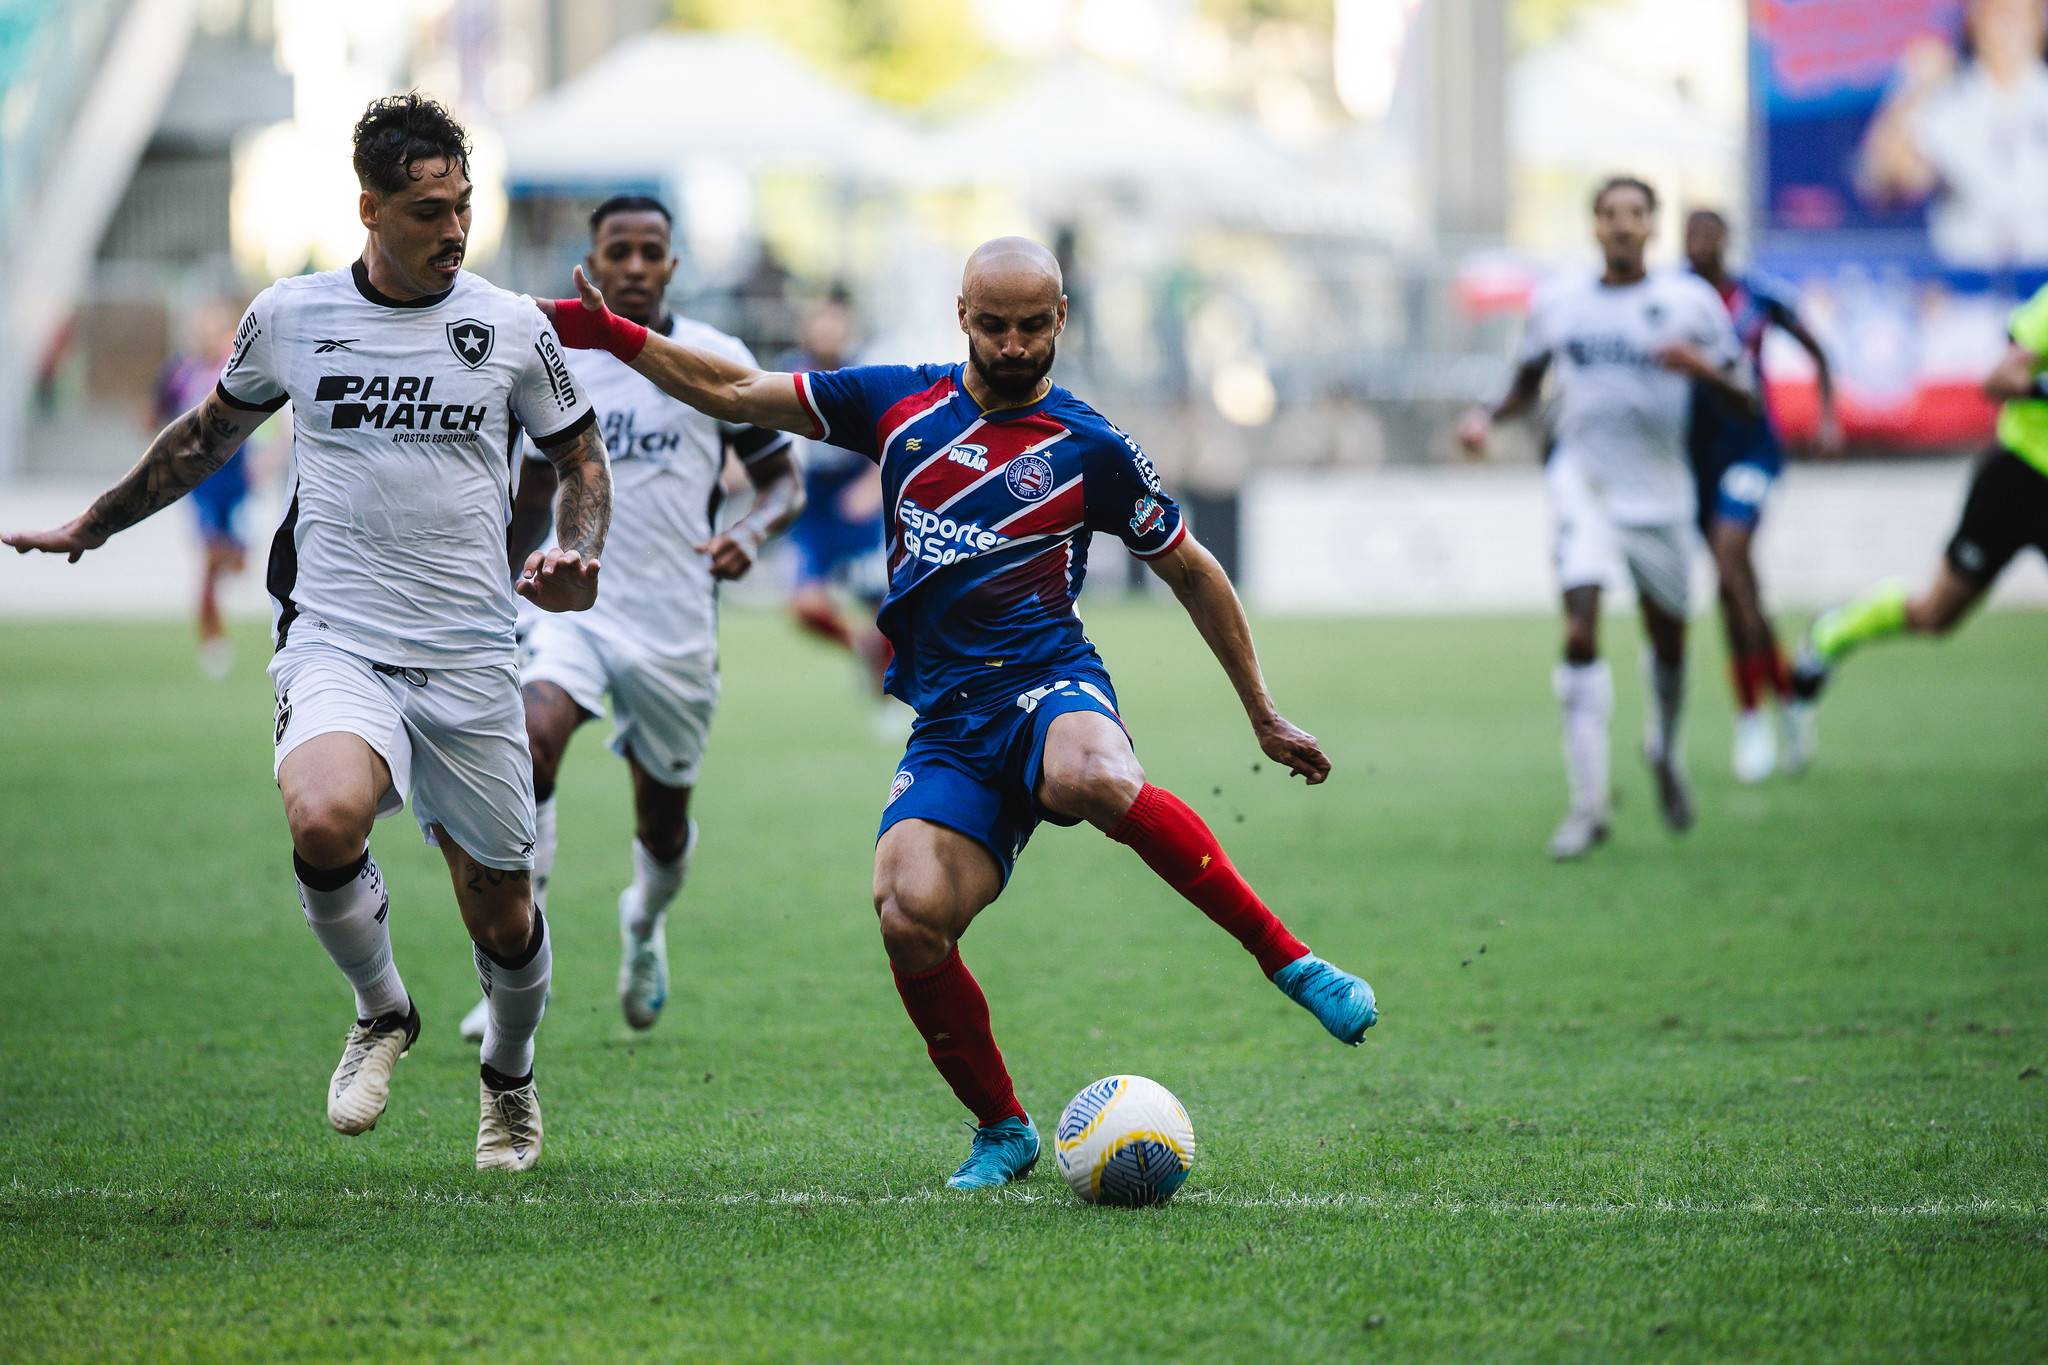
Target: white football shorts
[(661, 704), (454, 739), (1590, 546)]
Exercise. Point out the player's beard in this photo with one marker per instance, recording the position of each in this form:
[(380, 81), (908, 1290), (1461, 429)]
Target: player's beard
[(1013, 386)]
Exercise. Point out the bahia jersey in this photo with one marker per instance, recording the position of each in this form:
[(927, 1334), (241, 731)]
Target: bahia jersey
[(406, 415), (657, 590), (1622, 417), (989, 514), (1755, 304)]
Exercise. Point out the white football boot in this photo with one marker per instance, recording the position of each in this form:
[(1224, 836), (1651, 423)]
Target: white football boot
[(643, 964), (643, 958), (362, 1081), (473, 1022), (1756, 747), (508, 1130), (1580, 833), (1799, 733)]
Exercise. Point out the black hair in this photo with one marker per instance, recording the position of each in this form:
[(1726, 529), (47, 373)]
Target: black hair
[(1715, 216), (398, 131), (629, 203), (1624, 182)]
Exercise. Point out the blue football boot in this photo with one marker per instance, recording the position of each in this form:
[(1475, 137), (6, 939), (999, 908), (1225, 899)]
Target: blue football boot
[(1002, 1152), (1342, 1002)]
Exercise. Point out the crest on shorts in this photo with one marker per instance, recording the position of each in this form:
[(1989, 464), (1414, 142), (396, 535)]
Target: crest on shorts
[(1029, 477), (471, 341), (901, 785)]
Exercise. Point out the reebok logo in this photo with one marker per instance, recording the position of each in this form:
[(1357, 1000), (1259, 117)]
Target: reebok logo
[(335, 344)]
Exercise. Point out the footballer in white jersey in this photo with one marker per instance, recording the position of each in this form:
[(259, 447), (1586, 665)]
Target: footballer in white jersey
[(650, 644), (1625, 349), (411, 383)]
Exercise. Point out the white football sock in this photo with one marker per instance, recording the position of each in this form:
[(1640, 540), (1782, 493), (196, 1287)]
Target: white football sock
[(655, 884), (517, 993), (1666, 683), (543, 850), (346, 908), (1585, 694)]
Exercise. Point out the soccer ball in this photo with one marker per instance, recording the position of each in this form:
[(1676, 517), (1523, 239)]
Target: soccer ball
[(1125, 1140)]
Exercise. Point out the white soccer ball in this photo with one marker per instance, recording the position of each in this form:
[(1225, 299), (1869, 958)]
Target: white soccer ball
[(1125, 1140)]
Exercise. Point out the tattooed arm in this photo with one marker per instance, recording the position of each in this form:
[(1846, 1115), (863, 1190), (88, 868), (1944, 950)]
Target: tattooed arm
[(565, 579), (177, 462)]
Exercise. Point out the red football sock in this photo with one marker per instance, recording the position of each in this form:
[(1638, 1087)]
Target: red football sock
[(1175, 843), (1780, 673), (1751, 673), (952, 1014), (825, 622)]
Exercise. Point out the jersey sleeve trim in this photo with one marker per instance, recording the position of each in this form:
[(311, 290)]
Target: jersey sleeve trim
[(810, 406), (755, 444), (220, 391), (583, 423), (1180, 533)]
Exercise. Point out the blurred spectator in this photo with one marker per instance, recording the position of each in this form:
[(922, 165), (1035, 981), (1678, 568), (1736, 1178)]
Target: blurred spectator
[(1966, 129)]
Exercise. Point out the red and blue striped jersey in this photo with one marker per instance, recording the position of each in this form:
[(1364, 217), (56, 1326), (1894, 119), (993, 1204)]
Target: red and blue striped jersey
[(989, 514)]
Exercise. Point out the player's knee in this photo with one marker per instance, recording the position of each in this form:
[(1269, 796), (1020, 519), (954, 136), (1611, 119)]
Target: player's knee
[(547, 762), (505, 929), (662, 833), (915, 925), (328, 830), (1093, 783)]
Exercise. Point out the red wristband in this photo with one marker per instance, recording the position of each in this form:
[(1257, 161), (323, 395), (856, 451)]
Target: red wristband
[(582, 330)]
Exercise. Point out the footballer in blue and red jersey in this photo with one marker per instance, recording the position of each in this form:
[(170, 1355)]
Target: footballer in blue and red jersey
[(993, 480), (989, 515), (1736, 453), (1736, 459)]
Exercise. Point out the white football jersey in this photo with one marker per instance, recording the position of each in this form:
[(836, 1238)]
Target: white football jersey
[(1620, 414), (406, 416), (656, 591)]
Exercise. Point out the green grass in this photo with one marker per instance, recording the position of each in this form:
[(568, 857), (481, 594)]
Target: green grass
[(1765, 1092)]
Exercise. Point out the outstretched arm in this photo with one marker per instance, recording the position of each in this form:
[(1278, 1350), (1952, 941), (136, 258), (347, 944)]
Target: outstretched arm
[(2017, 375), (1795, 327), (1204, 590), (712, 384), (778, 497), (177, 461), (565, 578), (1520, 397)]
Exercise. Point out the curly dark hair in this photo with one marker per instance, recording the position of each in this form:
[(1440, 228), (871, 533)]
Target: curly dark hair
[(397, 132), (1624, 182)]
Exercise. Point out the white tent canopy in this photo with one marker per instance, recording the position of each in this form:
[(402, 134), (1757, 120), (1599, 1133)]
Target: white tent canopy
[(1085, 122), (665, 100), (1567, 108)]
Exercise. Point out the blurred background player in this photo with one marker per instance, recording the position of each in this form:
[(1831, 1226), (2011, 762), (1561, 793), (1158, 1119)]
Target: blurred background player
[(393, 614), (1736, 461), (2006, 511), (217, 503), (651, 641), (996, 476), (1626, 347), (838, 538)]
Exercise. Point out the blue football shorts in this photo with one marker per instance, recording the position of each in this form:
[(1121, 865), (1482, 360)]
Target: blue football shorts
[(977, 772)]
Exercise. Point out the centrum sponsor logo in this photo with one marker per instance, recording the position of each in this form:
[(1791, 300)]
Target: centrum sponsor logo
[(936, 539)]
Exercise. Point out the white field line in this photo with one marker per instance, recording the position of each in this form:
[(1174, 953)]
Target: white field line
[(826, 1199)]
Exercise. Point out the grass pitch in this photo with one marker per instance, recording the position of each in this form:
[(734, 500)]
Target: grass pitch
[(1770, 1091)]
